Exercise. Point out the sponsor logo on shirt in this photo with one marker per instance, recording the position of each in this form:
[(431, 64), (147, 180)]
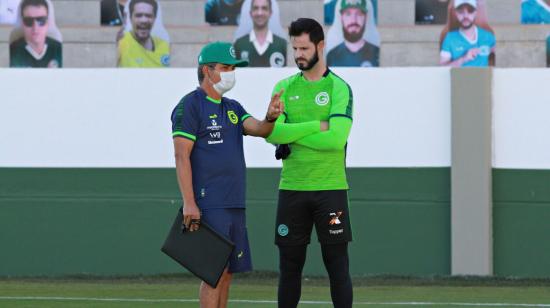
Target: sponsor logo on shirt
[(335, 218), (214, 125), (244, 55), (335, 221), (322, 99)]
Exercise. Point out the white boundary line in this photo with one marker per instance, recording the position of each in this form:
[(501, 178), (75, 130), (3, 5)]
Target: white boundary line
[(176, 300)]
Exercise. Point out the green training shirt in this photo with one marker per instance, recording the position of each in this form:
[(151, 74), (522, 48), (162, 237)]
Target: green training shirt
[(317, 161), (21, 57)]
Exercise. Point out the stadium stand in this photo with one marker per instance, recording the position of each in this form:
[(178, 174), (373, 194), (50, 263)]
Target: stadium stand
[(87, 44)]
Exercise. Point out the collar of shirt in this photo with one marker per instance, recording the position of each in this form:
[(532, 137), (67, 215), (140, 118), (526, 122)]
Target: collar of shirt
[(36, 55), (261, 48), (543, 4), (471, 41)]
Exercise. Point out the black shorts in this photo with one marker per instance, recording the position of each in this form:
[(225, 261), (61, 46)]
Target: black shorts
[(297, 211)]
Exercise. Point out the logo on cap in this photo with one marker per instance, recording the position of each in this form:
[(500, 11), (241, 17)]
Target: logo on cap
[(232, 52)]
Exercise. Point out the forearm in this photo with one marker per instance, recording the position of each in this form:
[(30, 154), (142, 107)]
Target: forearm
[(185, 179), (284, 133), (333, 139), (456, 63), (261, 128)]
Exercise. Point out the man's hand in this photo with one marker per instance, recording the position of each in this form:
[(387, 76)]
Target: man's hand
[(471, 55), (191, 216), (276, 107), (324, 126)]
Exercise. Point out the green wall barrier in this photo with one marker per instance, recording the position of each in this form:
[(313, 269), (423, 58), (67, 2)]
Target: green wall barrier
[(59, 221), (521, 222)]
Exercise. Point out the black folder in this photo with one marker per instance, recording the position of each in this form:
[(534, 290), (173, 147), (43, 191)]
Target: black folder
[(203, 252)]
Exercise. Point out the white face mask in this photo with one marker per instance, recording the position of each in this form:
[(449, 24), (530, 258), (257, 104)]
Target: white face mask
[(226, 83)]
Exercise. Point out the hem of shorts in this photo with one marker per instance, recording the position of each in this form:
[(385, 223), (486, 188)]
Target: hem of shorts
[(240, 270), (308, 188), (335, 242), (222, 206), (292, 244)]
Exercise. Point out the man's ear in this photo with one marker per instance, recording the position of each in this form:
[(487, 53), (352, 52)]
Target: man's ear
[(321, 46), (205, 72)]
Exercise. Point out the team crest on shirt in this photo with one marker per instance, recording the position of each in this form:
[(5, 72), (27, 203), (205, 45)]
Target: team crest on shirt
[(366, 64), (165, 60), (322, 99), (244, 55), (276, 59), (233, 117), (484, 51), (53, 64)]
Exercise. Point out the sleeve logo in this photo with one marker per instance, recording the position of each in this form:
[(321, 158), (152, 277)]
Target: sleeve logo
[(322, 99), (233, 117)]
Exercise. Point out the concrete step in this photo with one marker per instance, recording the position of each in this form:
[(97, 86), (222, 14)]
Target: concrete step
[(401, 12), (191, 12), (517, 45), (176, 12)]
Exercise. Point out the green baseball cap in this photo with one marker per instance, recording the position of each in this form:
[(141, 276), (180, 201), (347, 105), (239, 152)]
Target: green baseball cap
[(360, 4), (220, 52)]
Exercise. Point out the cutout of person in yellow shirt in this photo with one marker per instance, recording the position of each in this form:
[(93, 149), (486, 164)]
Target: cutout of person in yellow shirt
[(142, 44)]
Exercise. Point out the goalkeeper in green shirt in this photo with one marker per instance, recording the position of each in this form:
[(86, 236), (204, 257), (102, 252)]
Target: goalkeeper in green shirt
[(313, 188)]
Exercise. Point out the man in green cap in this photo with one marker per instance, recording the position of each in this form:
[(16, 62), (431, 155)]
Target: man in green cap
[(355, 50), (207, 130)]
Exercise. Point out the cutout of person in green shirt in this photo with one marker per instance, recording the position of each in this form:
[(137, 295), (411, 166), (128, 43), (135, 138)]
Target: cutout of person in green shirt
[(260, 39), (35, 40)]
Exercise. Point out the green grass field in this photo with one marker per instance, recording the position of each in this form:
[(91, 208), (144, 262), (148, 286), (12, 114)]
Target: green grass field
[(261, 292)]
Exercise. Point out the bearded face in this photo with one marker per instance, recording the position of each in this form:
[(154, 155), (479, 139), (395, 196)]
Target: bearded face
[(466, 16), (354, 21), (306, 53)]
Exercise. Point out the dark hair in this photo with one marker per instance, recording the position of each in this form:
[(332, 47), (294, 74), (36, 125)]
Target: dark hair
[(200, 75), (151, 2), (309, 26), (268, 1), (26, 3)]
